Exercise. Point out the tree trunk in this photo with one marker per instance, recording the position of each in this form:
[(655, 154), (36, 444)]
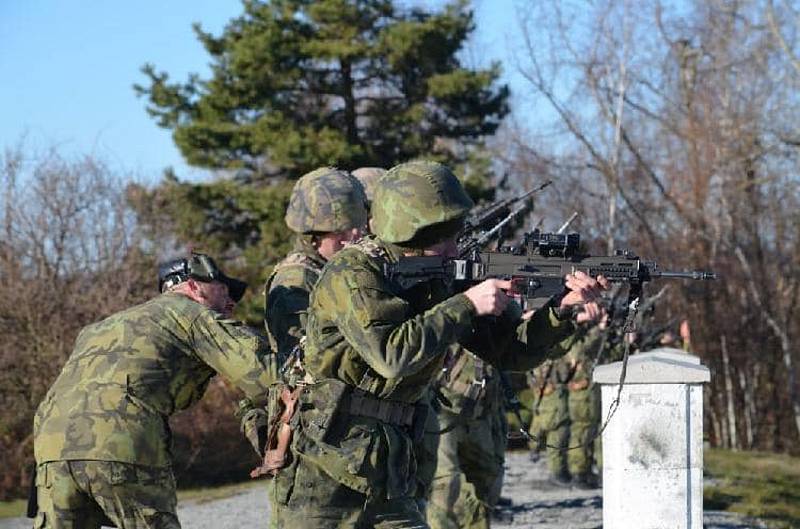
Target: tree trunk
[(731, 416), (349, 103)]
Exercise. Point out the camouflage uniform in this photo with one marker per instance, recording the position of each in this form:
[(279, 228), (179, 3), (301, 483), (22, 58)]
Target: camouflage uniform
[(583, 400), (584, 404), (523, 386), (101, 434), (470, 451), (324, 200), (287, 292), (374, 350), (550, 422)]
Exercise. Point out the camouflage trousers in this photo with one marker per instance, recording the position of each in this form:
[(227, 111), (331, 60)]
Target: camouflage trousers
[(303, 496), (469, 472), (82, 494), (584, 418), (550, 426)]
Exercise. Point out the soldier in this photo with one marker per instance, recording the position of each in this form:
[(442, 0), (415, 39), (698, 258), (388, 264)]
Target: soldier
[(369, 176), (373, 350), (469, 440), (583, 404), (326, 210), (550, 417), (101, 434), (583, 413)]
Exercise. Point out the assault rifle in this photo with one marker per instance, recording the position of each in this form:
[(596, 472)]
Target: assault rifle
[(536, 268), (485, 222)]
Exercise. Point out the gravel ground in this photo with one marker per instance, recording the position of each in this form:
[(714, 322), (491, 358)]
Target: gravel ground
[(535, 503)]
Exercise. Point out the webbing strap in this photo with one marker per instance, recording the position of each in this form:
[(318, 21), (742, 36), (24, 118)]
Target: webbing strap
[(393, 412)]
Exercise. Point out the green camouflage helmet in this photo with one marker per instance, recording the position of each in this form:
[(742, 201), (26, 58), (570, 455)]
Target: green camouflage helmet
[(368, 176), (326, 200), (417, 195)]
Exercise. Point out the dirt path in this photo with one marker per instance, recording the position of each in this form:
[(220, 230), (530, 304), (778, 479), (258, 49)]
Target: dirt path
[(535, 503)]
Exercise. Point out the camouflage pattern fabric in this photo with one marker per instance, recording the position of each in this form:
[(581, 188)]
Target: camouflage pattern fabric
[(82, 494), (523, 387), (369, 176), (326, 200), (414, 196), (365, 332), (304, 497), (584, 406), (288, 290), (131, 371), (551, 426), (550, 423), (470, 452), (584, 422), (287, 296)]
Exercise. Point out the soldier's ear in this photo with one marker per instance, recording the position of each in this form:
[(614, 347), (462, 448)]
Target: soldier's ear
[(194, 287)]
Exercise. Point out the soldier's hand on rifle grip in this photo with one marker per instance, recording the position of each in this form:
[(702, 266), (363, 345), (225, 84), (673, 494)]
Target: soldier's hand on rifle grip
[(489, 297)]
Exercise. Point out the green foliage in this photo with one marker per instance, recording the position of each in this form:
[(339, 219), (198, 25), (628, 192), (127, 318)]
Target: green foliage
[(298, 84), (761, 485)]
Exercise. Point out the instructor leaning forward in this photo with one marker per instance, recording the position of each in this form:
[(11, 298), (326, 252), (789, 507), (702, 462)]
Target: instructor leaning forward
[(102, 440)]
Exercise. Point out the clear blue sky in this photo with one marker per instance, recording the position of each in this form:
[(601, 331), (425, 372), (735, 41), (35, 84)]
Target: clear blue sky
[(68, 69)]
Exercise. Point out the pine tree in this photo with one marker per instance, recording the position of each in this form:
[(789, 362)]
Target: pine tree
[(296, 84)]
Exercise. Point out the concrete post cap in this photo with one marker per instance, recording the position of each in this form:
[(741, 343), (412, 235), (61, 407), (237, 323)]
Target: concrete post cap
[(660, 366)]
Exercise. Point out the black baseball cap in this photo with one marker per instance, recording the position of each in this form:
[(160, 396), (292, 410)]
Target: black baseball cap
[(199, 267)]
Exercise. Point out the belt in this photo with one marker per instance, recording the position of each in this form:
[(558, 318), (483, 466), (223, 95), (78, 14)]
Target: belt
[(390, 411)]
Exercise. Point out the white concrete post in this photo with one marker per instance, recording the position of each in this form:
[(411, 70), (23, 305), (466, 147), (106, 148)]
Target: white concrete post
[(653, 445)]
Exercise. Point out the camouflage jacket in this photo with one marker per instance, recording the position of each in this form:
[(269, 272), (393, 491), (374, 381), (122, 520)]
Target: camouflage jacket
[(365, 331), (287, 295), (131, 371), (586, 353)]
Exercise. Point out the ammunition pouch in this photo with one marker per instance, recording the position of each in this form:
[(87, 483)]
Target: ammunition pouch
[(467, 396), (334, 435)]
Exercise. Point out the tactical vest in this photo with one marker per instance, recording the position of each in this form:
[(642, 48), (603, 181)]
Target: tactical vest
[(296, 259)]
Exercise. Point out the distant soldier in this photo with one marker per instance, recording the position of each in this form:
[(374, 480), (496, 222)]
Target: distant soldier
[(326, 210), (369, 176), (550, 420), (101, 434), (583, 404)]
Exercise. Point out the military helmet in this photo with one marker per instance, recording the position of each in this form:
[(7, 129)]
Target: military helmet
[(368, 176), (414, 197), (326, 200), (199, 267)]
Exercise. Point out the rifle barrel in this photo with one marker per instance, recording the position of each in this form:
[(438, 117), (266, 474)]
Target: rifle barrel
[(697, 275)]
